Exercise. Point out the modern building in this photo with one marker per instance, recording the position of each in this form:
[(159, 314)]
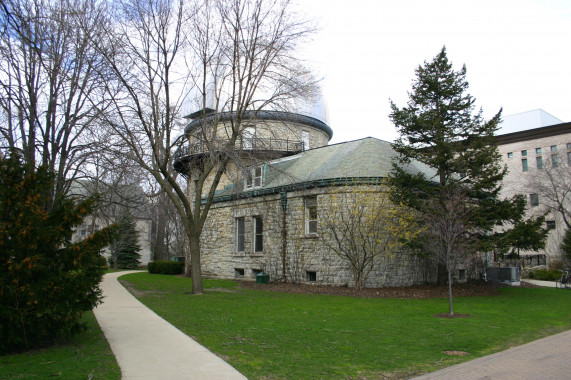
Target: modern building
[(536, 147)]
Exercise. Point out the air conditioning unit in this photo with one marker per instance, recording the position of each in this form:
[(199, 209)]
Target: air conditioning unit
[(509, 275)]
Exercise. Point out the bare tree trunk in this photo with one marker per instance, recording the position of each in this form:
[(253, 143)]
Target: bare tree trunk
[(194, 243), (450, 306)]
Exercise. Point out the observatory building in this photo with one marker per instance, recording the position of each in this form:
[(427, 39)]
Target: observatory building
[(281, 175)]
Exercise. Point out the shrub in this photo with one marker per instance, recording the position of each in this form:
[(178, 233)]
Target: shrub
[(46, 281), (165, 267), (545, 274)]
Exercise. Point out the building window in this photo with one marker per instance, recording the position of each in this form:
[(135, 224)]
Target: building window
[(249, 138), (311, 276), (537, 150), (568, 146), (554, 160), (533, 200), (550, 224), (524, 164), (569, 158), (240, 229), (311, 216), (462, 275), (258, 234), (539, 161), (305, 139), (524, 153), (239, 272), (510, 155), (254, 177), (554, 148)]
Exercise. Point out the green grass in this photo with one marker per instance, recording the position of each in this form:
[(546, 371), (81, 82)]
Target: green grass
[(269, 335), (86, 356)]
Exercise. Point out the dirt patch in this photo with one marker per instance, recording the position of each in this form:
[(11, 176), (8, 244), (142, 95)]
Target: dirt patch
[(456, 353), (452, 316), (408, 292)]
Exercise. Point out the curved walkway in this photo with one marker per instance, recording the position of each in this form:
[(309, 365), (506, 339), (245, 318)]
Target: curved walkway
[(148, 347), (546, 359)]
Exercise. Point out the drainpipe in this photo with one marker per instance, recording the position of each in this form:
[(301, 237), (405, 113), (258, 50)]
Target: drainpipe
[(283, 195)]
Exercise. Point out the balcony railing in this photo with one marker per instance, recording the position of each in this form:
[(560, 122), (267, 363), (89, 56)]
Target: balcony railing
[(247, 144)]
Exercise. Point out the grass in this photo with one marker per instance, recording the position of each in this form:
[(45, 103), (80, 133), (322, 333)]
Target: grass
[(269, 335), (86, 356)]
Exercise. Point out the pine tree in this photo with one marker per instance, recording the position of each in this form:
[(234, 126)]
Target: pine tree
[(126, 249), (46, 280), (566, 244), (440, 128)]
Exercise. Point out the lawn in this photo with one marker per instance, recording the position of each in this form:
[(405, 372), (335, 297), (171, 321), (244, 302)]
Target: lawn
[(86, 356), (268, 335)]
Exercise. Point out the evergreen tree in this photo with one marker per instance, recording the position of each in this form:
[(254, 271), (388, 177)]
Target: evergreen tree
[(566, 244), (46, 280), (440, 128), (125, 251)]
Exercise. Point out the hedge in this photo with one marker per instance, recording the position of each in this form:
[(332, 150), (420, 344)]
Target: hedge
[(165, 267)]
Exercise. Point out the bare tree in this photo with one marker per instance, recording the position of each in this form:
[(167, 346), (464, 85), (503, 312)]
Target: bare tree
[(359, 225), (50, 83), (448, 238), (236, 54), (553, 187)]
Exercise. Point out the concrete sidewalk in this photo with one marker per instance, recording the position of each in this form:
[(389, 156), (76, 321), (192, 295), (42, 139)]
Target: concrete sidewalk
[(546, 359), (545, 284), (148, 347)]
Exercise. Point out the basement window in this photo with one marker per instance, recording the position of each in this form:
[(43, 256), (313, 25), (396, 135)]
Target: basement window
[(550, 224), (311, 276), (239, 272), (256, 272)]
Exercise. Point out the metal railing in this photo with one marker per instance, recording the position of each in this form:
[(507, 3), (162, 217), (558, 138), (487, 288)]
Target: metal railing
[(249, 144)]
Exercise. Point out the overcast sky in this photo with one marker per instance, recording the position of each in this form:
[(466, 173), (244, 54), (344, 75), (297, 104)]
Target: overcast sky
[(517, 54)]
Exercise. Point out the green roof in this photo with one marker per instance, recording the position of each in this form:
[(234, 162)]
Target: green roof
[(365, 158)]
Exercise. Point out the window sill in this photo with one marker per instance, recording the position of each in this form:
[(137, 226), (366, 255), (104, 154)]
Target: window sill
[(311, 236)]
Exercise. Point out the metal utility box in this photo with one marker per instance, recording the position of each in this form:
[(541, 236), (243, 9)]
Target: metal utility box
[(510, 275), (262, 278)]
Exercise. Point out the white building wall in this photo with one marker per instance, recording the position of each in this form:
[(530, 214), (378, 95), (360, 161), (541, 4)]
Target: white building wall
[(518, 181)]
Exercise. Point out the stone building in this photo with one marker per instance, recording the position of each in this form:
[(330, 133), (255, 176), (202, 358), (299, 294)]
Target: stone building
[(265, 216), (115, 202), (536, 147)]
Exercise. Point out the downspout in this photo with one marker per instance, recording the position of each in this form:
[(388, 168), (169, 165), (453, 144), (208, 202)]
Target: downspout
[(283, 195)]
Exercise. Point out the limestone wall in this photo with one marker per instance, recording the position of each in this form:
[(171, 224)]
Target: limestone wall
[(307, 258), (265, 129)]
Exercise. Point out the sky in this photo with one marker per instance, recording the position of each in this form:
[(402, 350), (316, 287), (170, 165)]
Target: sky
[(517, 54)]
